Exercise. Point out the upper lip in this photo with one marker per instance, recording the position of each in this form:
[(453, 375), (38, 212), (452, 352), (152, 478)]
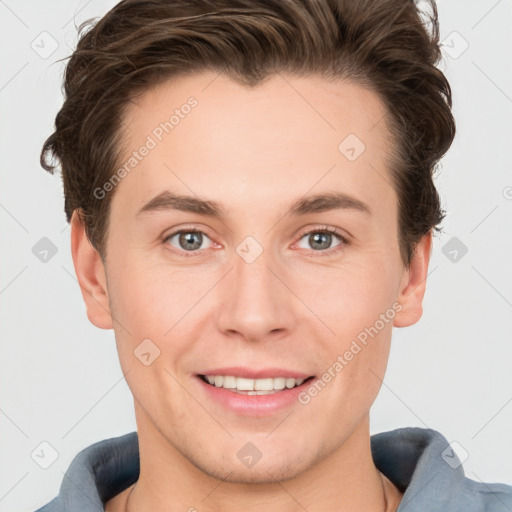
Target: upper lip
[(253, 373)]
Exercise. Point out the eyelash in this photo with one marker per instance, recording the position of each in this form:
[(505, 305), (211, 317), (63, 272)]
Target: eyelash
[(324, 229)]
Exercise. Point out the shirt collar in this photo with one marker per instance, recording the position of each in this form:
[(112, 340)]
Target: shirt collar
[(418, 461)]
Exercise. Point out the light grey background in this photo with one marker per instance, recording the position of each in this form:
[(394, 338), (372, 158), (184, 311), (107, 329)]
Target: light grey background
[(60, 378)]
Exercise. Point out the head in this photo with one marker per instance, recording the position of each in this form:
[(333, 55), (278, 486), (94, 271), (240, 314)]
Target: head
[(278, 120)]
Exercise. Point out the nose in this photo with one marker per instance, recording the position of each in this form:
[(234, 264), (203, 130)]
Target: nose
[(255, 302)]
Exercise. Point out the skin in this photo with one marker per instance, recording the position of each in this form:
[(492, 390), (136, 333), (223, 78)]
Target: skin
[(254, 151)]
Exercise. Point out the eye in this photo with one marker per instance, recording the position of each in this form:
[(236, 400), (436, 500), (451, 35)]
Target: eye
[(189, 240), (322, 239), (319, 240)]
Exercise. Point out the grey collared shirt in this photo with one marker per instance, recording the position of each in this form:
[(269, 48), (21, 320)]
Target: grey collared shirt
[(418, 461)]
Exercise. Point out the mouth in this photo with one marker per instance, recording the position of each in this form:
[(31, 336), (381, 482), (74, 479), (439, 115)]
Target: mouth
[(259, 387)]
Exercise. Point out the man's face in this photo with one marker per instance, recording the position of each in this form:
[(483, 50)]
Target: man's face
[(258, 288)]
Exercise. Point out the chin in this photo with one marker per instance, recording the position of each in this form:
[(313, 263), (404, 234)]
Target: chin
[(262, 475), (266, 470)]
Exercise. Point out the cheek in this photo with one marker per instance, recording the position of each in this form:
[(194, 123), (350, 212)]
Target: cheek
[(154, 302), (152, 306), (153, 297), (349, 298), (356, 302), (358, 364)]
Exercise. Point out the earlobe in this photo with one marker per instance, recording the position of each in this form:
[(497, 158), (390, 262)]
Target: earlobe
[(91, 276), (414, 284)]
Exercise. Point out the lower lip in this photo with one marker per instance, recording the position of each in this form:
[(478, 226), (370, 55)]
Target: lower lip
[(254, 405)]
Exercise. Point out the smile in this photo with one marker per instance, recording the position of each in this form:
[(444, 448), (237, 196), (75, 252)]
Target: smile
[(252, 386)]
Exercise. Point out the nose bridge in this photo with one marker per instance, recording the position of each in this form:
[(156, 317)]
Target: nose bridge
[(253, 301)]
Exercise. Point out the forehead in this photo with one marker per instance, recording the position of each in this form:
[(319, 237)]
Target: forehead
[(216, 138)]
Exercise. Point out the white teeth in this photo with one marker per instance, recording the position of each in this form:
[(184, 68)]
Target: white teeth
[(264, 384), (244, 384), (290, 383), (253, 386), (279, 383), (229, 382)]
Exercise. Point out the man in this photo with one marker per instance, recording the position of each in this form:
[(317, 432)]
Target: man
[(249, 186)]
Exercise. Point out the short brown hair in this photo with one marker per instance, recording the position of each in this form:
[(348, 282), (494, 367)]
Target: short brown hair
[(384, 45)]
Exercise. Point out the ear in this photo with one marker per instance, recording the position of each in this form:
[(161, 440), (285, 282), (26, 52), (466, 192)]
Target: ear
[(414, 281), (91, 275)]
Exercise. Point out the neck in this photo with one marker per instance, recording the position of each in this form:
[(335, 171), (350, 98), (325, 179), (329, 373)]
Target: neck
[(346, 480)]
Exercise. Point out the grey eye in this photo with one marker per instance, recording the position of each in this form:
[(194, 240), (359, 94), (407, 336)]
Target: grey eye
[(188, 240), (319, 240)]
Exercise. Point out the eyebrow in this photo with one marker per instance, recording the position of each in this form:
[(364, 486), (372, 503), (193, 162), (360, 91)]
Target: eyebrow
[(312, 204)]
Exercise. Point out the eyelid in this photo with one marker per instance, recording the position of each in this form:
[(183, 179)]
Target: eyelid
[(321, 229), (186, 228)]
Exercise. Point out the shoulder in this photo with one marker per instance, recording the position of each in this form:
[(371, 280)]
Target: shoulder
[(96, 474), (487, 497), (423, 465)]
